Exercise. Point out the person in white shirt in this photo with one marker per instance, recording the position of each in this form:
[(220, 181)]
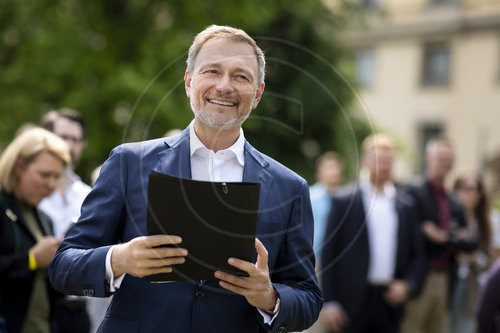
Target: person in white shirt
[(108, 252), (372, 259), (63, 207)]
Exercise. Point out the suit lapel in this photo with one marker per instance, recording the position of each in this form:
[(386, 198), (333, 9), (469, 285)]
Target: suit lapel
[(255, 172), (45, 223), (13, 212), (402, 225), (431, 202), (175, 159), (362, 220)]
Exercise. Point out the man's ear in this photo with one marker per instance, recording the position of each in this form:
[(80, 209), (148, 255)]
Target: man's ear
[(187, 84), (258, 95)]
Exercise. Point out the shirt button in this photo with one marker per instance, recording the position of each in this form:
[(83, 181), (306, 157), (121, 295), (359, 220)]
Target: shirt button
[(199, 294), (281, 330)]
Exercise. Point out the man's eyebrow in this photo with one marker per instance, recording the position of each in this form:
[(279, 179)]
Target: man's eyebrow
[(245, 71), (210, 65), (218, 65)]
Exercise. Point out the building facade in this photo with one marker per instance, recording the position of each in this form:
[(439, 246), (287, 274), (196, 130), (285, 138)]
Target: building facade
[(427, 67)]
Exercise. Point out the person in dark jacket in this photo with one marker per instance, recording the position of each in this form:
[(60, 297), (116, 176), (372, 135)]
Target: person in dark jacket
[(488, 310), (442, 219), (373, 259), (29, 170)]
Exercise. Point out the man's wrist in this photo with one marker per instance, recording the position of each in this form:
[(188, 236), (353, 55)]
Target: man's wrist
[(115, 261), (271, 310)]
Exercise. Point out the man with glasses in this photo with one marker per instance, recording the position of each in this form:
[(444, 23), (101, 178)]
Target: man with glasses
[(63, 207)]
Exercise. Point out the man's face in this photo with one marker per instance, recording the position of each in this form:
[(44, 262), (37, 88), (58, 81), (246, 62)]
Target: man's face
[(440, 161), (329, 173), (379, 161), (223, 87), (71, 132)]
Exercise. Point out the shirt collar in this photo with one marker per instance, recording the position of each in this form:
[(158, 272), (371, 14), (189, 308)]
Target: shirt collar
[(71, 175), (237, 149), (389, 189)]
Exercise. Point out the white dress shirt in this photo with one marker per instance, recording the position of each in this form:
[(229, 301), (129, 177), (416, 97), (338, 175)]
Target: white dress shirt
[(382, 227), (206, 165)]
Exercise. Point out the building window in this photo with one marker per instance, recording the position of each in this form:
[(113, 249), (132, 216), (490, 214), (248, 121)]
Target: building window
[(439, 2), (436, 64), (427, 131), (371, 4), (365, 67)]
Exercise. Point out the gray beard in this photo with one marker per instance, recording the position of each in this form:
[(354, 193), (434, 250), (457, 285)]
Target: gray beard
[(215, 123)]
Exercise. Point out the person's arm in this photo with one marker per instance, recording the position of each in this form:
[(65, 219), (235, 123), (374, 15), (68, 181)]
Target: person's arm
[(419, 265), (22, 262), (78, 268), (334, 317)]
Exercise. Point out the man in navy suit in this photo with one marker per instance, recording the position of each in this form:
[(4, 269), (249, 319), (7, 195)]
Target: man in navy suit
[(373, 259), (107, 253)]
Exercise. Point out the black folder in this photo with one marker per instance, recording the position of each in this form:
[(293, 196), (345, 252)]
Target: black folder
[(215, 220)]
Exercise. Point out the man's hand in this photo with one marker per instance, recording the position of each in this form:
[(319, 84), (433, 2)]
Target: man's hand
[(397, 293), (434, 233), (335, 317), (44, 250), (141, 256), (257, 288)]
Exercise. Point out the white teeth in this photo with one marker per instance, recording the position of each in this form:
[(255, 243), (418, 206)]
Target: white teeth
[(215, 101)]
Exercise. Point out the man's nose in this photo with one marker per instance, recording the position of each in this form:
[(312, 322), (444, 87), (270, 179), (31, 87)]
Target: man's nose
[(224, 85)]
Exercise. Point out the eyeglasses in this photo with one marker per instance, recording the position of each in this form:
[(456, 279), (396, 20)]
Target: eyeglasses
[(72, 139), (468, 188)]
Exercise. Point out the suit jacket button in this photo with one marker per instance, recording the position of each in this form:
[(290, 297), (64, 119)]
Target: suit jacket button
[(199, 294), (281, 330), (88, 292)]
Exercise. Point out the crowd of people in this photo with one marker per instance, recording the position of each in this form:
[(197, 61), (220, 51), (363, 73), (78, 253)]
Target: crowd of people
[(408, 257), (390, 257)]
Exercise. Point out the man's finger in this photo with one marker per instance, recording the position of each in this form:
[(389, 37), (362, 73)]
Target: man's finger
[(157, 240), (245, 266), (166, 252), (261, 254), (165, 262), (242, 282)]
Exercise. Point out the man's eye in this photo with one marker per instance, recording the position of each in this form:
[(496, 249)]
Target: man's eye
[(243, 77), (212, 71)]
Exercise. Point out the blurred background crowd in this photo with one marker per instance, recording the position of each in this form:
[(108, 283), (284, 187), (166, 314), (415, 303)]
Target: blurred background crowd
[(426, 73)]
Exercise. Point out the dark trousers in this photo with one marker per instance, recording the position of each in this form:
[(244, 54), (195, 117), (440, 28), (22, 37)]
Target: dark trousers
[(71, 316), (377, 316)]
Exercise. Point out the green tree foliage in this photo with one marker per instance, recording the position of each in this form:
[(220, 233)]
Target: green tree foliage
[(121, 64)]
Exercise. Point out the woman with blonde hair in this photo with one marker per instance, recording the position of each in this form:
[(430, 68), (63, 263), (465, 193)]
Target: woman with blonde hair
[(29, 170)]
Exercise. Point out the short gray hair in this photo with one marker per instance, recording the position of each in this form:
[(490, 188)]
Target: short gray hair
[(234, 34), (432, 145)]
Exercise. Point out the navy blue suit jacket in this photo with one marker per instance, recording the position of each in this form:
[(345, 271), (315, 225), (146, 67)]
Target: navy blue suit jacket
[(115, 211), (346, 253)]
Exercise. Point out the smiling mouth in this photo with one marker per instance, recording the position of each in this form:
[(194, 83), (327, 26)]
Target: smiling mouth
[(219, 102)]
